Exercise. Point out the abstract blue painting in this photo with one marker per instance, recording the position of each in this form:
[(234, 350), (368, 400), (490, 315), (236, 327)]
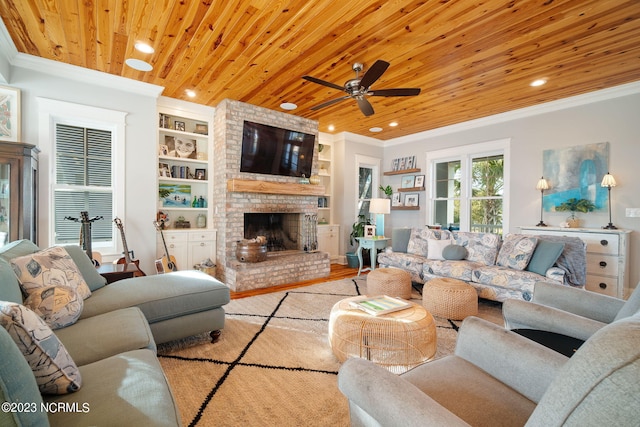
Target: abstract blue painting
[(576, 172)]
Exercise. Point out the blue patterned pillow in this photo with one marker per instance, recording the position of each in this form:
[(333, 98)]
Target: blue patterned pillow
[(516, 251), (55, 371)]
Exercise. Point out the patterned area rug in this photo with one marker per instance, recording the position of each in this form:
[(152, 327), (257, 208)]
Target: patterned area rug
[(273, 364)]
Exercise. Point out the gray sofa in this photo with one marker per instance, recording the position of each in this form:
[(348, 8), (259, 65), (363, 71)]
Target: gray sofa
[(112, 343), (498, 378), (498, 269)]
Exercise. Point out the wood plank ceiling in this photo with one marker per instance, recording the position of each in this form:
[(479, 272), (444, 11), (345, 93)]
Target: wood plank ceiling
[(470, 58)]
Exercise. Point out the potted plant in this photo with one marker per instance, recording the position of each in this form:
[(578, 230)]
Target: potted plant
[(357, 230), (388, 191), (574, 205)]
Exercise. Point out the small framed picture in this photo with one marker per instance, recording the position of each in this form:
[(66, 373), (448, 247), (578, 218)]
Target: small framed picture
[(163, 170), (164, 121), (163, 150), (178, 125), (395, 199), (419, 181), (411, 199), (10, 109), (410, 162), (403, 164), (396, 164), (408, 181), (201, 174), (369, 231), (201, 128)]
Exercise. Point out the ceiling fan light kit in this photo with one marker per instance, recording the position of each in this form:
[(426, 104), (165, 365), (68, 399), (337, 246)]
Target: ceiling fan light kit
[(360, 88)]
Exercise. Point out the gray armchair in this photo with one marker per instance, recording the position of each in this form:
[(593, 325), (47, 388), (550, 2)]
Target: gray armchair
[(568, 311), (499, 378)]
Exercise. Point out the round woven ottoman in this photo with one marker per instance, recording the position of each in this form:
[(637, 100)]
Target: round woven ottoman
[(389, 281), (450, 298), (396, 341)]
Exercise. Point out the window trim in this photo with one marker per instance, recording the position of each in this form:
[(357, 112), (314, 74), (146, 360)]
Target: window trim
[(52, 112), (465, 154)]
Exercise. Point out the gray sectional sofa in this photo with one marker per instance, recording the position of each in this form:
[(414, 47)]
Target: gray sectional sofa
[(498, 269), (98, 364)]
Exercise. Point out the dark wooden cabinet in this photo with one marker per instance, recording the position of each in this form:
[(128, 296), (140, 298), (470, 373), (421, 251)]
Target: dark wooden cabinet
[(18, 191)]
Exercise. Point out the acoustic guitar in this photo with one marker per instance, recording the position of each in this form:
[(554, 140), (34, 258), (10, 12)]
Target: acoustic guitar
[(126, 259), (85, 236), (167, 263)]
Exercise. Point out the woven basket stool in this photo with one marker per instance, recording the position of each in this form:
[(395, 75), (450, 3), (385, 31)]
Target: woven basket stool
[(389, 281), (450, 298), (397, 341)]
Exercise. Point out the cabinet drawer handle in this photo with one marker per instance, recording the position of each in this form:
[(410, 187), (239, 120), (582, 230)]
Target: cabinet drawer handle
[(604, 242), (201, 244), (171, 246), (603, 264), (603, 286)]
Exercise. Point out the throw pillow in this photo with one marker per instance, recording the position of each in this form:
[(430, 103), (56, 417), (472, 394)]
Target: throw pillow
[(454, 252), (516, 251), (50, 267), (89, 271), (58, 306), (544, 256), (435, 248), (55, 371)]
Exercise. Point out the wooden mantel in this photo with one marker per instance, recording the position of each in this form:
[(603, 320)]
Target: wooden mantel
[(267, 187)]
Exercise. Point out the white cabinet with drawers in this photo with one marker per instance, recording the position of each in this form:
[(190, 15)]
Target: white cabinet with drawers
[(607, 257), (328, 240), (189, 246)]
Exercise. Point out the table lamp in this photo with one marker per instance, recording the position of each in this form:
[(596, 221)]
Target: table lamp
[(542, 185), (380, 207), (608, 181)]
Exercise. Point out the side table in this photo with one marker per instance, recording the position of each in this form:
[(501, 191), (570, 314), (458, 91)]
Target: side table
[(373, 245), (115, 272)]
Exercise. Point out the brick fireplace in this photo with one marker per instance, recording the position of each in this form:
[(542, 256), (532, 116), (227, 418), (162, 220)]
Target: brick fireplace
[(265, 199)]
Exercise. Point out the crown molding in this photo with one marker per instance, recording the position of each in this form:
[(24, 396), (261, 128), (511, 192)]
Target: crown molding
[(548, 107)]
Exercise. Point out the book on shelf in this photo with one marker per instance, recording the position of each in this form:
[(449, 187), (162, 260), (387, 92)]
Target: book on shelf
[(379, 305)]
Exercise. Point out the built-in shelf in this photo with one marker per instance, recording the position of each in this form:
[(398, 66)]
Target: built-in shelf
[(402, 172), (267, 187), (405, 190), (405, 208)]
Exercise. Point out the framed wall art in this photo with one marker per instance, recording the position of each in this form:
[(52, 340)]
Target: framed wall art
[(9, 114)]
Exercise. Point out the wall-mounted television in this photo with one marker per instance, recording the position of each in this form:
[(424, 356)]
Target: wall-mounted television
[(276, 151)]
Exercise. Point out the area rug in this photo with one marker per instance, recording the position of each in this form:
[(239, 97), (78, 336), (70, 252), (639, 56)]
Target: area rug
[(273, 364)]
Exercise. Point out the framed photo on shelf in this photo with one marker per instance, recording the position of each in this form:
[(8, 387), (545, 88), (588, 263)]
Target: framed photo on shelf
[(419, 181), (163, 170), (411, 160), (408, 181), (10, 107), (369, 231), (395, 199), (163, 150), (178, 146), (403, 163), (411, 199), (178, 125), (201, 174), (201, 128), (396, 164)]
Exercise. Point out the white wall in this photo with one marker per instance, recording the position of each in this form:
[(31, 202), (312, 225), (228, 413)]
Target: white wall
[(140, 166), (614, 120)]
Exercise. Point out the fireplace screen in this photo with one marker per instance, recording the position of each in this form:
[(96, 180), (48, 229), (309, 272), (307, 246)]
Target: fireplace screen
[(284, 231)]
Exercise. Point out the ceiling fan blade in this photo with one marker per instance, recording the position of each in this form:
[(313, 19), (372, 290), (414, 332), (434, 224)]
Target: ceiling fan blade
[(323, 83), (373, 73), (395, 92), (326, 104), (365, 106)]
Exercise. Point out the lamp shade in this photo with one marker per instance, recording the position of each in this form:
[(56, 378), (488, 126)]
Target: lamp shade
[(542, 184), (608, 181), (380, 206)]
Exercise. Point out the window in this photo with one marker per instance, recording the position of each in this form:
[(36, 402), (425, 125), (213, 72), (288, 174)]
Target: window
[(469, 187), (82, 182), (85, 148), (368, 171)]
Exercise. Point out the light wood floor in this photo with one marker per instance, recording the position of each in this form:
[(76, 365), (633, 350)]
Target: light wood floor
[(338, 272)]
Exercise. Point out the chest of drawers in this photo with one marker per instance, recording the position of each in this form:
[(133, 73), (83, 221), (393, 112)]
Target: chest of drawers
[(607, 257)]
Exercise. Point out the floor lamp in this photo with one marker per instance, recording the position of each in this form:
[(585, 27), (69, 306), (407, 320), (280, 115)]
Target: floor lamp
[(542, 185), (608, 181), (380, 207)]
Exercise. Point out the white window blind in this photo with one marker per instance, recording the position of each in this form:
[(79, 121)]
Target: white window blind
[(83, 182)]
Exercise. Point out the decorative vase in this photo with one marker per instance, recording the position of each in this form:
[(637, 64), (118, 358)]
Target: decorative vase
[(573, 222), (314, 180)]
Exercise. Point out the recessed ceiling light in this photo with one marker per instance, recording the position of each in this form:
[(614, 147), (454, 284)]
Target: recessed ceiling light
[(138, 64), (288, 106), (331, 128), (538, 82), (144, 48), (375, 129), (393, 124), (190, 93)]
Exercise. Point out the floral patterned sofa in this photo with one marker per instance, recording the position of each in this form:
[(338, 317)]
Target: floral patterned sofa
[(498, 269)]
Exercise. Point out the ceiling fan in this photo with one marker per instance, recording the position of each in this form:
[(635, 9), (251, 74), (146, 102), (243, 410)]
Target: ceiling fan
[(359, 88)]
